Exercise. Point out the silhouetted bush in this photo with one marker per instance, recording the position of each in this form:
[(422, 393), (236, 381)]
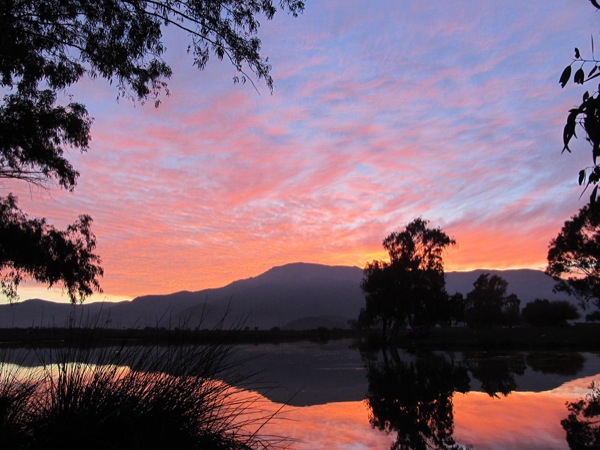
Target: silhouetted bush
[(593, 317), (542, 312)]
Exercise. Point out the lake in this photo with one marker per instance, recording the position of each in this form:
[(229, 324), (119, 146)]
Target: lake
[(502, 400), (333, 395)]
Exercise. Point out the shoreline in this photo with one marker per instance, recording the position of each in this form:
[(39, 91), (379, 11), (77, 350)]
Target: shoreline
[(578, 337)]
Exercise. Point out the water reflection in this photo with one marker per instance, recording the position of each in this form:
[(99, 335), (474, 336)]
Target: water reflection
[(377, 398), (412, 394), (563, 363), (496, 371), (414, 398), (583, 422)]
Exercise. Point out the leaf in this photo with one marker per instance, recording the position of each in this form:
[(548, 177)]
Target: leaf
[(586, 95), (569, 130), (592, 71), (564, 78), (579, 76), (581, 177), (577, 55), (593, 195)]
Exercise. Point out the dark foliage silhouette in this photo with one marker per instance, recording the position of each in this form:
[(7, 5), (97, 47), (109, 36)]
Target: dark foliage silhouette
[(48, 46), (410, 288), (542, 312), (587, 115), (32, 248), (574, 257), (488, 303)]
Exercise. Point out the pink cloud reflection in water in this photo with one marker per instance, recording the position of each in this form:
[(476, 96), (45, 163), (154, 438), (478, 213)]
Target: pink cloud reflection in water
[(521, 420)]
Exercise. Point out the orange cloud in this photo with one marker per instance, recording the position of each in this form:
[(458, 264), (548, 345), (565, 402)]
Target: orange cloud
[(378, 117)]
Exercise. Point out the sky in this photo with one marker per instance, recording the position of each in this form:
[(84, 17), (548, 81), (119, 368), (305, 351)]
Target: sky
[(382, 112)]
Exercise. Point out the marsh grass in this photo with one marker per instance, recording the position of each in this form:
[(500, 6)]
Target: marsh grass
[(132, 397)]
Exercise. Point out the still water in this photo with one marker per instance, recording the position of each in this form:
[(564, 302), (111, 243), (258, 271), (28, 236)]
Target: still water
[(343, 398), (334, 395)]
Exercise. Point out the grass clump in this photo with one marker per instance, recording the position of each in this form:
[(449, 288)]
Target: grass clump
[(131, 397)]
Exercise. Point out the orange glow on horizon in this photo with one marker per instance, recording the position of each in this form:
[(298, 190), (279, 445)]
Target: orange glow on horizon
[(221, 184)]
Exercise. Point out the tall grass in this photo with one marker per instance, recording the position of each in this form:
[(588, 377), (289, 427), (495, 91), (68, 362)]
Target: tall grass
[(132, 397)]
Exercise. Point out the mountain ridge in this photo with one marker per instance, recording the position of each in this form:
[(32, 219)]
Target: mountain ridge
[(287, 296)]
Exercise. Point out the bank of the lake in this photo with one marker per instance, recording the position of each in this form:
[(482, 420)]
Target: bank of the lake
[(584, 336)]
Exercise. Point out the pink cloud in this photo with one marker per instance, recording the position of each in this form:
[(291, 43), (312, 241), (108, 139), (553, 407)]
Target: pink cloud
[(379, 116)]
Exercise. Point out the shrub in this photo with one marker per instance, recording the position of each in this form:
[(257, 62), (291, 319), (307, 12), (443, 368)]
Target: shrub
[(542, 312)]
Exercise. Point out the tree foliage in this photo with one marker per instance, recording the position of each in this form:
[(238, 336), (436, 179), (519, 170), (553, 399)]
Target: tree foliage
[(586, 115), (32, 248), (410, 289), (50, 45), (574, 257), (488, 303), (542, 312)]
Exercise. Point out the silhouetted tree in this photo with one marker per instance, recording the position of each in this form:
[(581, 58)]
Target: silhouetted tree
[(488, 304), (410, 288), (48, 46), (549, 313), (575, 254), (583, 422), (414, 398)]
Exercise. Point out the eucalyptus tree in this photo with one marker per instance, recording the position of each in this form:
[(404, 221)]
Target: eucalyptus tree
[(410, 289)]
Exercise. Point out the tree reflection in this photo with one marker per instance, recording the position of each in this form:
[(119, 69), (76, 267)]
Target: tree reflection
[(413, 397), (568, 363), (583, 422), (496, 371)]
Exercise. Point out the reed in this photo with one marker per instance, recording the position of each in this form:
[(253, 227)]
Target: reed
[(133, 396)]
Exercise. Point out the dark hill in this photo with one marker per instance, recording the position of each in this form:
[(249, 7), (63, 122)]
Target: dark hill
[(295, 295)]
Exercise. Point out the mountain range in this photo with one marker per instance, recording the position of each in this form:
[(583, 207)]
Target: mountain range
[(293, 296)]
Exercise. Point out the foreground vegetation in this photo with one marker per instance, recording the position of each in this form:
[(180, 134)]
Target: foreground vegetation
[(130, 397)]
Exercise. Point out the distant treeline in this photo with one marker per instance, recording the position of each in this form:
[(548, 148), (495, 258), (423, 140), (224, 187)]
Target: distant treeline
[(579, 336), (88, 337)]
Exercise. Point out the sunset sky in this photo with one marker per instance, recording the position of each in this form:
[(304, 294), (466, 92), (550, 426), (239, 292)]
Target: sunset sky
[(382, 112)]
